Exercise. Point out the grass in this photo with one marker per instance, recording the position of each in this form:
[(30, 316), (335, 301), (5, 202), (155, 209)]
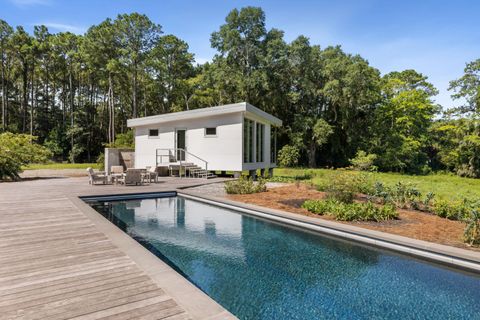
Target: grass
[(445, 186), (59, 166)]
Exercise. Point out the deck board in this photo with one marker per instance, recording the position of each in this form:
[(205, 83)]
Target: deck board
[(55, 264)]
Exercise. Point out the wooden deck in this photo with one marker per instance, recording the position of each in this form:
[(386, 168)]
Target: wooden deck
[(56, 264)]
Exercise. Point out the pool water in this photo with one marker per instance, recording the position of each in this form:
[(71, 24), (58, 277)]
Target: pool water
[(262, 270)]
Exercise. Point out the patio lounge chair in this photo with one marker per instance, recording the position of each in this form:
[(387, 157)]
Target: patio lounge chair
[(96, 176), (132, 176), (151, 174)]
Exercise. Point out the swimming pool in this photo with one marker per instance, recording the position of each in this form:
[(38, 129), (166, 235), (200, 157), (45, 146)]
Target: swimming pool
[(258, 269)]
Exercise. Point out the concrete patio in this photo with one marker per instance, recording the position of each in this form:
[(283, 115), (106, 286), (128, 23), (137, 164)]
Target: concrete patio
[(62, 260)]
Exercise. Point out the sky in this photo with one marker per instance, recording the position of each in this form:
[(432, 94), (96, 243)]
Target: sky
[(436, 38)]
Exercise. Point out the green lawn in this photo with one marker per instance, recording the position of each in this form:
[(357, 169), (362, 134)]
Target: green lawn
[(55, 166), (445, 186)]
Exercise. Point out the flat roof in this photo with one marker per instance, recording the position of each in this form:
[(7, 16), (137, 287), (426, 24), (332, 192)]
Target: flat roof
[(204, 112)]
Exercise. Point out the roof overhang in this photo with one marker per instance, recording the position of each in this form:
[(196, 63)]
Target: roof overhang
[(202, 113)]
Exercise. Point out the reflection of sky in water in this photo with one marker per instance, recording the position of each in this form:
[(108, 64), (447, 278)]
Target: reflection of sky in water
[(258, 269)]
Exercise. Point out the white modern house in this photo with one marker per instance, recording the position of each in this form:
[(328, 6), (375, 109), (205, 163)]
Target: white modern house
[(234, 137)]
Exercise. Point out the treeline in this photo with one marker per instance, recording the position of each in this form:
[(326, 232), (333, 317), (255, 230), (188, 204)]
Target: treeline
[(75, 92)]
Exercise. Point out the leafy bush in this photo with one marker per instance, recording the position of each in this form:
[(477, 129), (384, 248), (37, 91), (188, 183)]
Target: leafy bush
[(245, 186), (101, 161), (123, 140), (364, 161), (341, 188), (351, 211), (402, 195), (17, 150), (471, 233), (288, 156), (453, 210)]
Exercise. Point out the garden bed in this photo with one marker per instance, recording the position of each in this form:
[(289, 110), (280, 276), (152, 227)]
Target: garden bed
[(413, 224)]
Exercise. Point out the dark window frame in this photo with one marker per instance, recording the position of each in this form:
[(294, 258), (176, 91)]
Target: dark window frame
[(210, 134), (150, 135)]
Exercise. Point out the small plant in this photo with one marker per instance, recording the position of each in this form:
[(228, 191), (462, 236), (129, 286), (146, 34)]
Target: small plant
[(288, 156), (471, 234), (402, 195), (364, 161), (341, 188), (428, 199), (245, 186), (351, 211)]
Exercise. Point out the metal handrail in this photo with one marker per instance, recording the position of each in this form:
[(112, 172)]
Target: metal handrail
[(175, 156)]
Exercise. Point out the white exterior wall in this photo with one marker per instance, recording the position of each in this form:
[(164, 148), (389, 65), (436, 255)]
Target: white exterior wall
[(223, 152)]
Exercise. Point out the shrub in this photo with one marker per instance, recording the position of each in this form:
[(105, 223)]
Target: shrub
[(402, 195), (245, 186), (341, 188), (351, 211), (17, 150), (471, 233), (288, 156), (123, 140), (364, 182), (364, 161), (101, 161), (454, 210)]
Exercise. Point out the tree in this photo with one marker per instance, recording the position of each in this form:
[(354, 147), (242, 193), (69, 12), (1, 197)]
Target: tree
[(171, 65), (101, 47), (468, 88), (402, 123), (6, 32), (137, 36), (17, 150)]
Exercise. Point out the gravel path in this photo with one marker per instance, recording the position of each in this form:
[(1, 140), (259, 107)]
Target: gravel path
[(218, 189)]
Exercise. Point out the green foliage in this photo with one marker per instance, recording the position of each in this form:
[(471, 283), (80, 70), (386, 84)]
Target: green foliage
[(123, 140), (101, 161), (333, 104), (471, 234), (364, 161), (453, 210), (245, 186), (288, 156), (468, 89), (351, 211), (402, 195), (17, 150), (59, 166), (341, 188)]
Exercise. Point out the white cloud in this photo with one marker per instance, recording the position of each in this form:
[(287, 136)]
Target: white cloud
[(25, 3), (63, 27)]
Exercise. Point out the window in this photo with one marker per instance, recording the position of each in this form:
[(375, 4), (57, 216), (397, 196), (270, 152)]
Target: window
[(210, 131), (273, 145), (248, 132), (260, 141), (153, 132)]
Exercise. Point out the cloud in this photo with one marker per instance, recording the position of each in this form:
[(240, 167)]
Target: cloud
[(63, 27), (26, 3)]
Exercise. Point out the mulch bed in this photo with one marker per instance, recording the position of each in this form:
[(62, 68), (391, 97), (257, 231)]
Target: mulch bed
[(414, 224)]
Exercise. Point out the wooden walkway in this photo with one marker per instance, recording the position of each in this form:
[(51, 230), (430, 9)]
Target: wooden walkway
[(55, 264)]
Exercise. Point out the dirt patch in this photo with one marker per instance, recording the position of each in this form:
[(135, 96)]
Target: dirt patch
[(412, 224)]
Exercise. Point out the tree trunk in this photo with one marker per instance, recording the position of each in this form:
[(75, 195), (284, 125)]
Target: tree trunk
[(32, 99), (72, 119), (4, 95), (312, 153), (134, 93), (25, 97)]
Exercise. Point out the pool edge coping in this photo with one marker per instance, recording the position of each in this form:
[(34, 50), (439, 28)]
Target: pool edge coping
[(195, 302), (442, 254)]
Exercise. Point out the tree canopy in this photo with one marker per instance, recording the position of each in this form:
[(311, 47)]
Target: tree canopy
[(75, 92)]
